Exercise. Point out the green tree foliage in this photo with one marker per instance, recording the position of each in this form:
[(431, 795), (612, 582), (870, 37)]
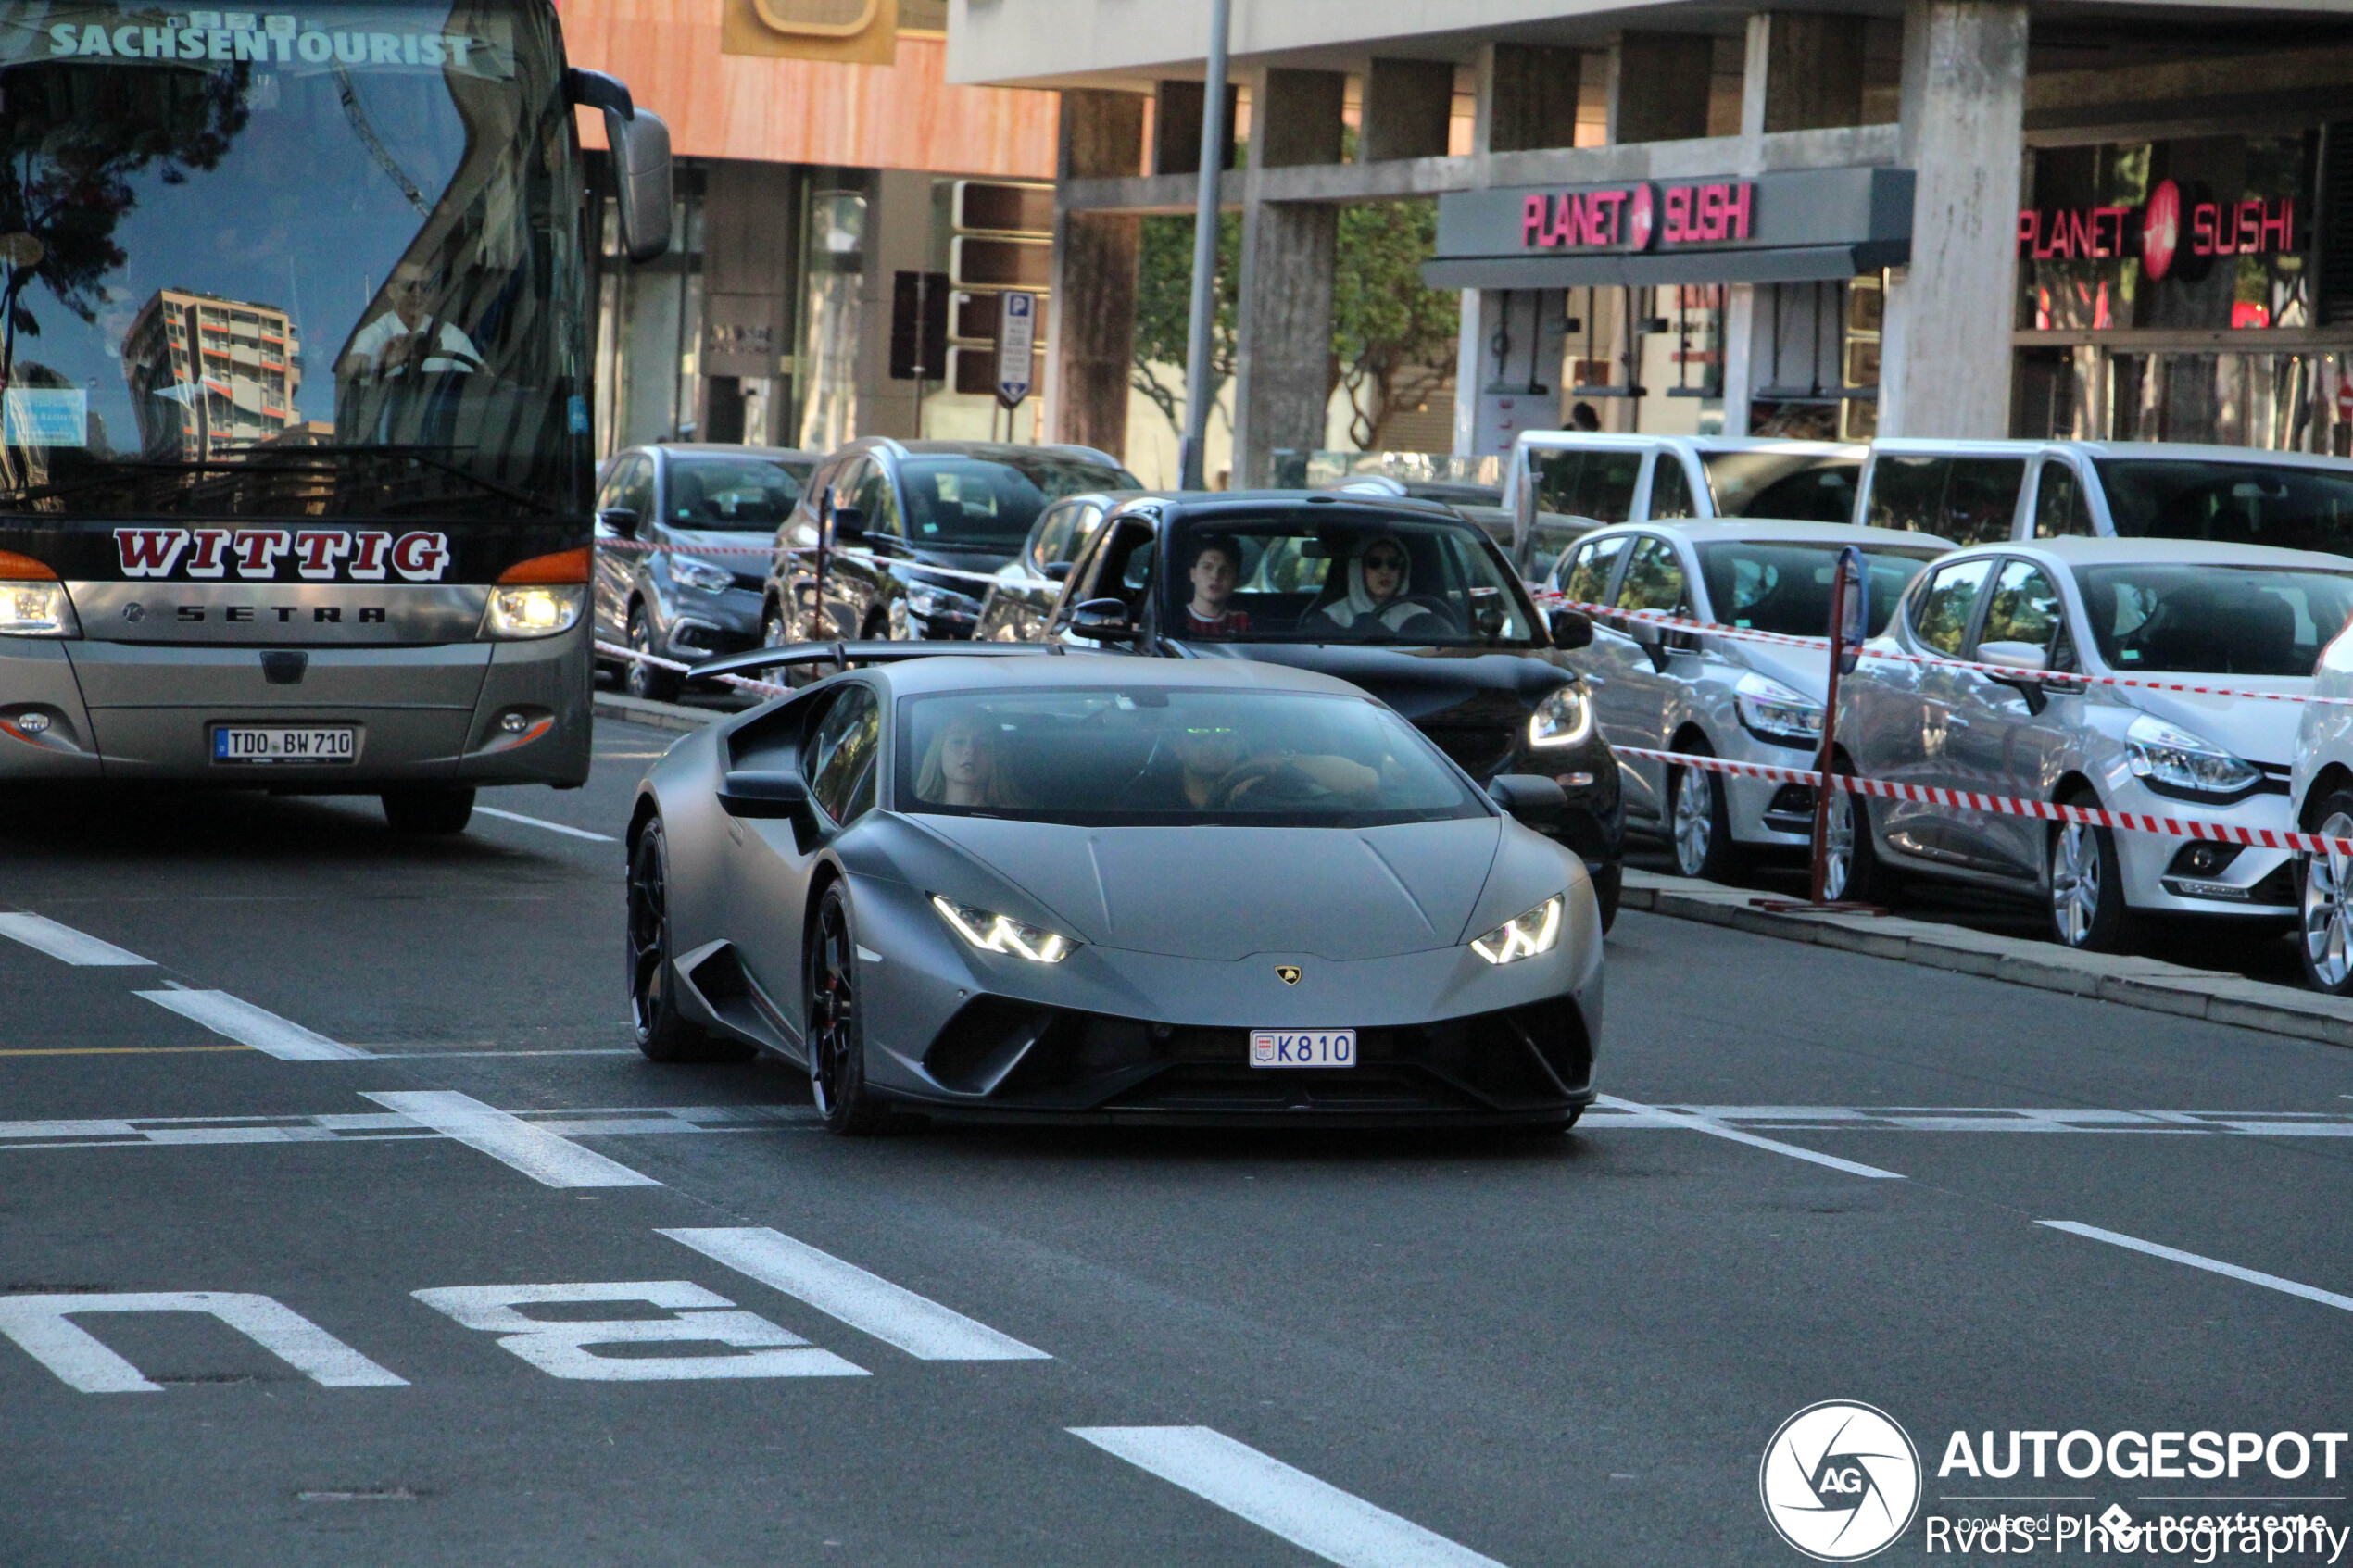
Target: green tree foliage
[(1164, 310)]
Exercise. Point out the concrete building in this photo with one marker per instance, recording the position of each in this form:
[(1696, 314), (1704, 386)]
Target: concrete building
[(1945, 218), (815, 212)]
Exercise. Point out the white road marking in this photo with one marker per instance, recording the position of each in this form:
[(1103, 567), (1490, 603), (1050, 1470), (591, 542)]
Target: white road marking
[(2213, 1265), (1717, 1129), (561, 1350), (44, 934), (42, 1325), (543, 822), (1334, 1525), (249, 1025), (1974, 1119), (378, 1125), (534, 1150), (866, 1302)]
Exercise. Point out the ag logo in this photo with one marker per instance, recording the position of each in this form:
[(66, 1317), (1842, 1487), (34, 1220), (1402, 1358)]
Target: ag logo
[(1288, 971), (1840, 1481)]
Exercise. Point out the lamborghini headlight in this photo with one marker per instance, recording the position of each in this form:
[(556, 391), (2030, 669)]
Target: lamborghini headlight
[(1001, 934), (1564, 718), (536, 611), (1529, 934)]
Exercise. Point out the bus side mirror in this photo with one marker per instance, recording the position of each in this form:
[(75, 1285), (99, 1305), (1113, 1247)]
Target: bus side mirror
[(640, 145)]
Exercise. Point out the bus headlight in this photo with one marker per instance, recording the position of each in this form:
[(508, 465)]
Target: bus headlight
[(535, 611), (36, 609)]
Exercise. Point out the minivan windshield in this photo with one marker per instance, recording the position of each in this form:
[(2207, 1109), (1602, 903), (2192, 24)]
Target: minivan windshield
[(732, 495), (1774, 585), (1802, 487), (1151, 756), (1311, 574), (322, 263), (988, 503), (2212, 620), (2276, 504)]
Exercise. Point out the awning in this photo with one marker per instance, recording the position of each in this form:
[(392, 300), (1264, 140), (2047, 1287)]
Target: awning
[(1798, 264)]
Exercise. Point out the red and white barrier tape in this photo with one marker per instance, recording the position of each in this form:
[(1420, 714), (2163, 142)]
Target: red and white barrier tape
[(1783, 639), (2006, 806), (772, 551), (744, 681)]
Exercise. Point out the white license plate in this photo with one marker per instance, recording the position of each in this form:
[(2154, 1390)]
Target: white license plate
[(1303, 1048), (284, 743)]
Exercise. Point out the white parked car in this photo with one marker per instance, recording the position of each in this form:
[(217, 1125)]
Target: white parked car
[(1722, 696), (2322, 786), (2239, 616)]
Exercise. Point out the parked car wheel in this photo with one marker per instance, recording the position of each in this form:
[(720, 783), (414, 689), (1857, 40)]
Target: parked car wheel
[(1699, 827), (647, 682), (1851, 871), (2324, 887), (2086, 885)]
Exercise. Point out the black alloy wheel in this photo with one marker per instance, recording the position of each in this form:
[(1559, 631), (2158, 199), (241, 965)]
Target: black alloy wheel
[(647, 683), (837, 1036), (663, 1035), (429, 809)]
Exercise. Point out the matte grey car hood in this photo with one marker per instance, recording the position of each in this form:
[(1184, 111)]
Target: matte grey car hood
[(1225, 893)]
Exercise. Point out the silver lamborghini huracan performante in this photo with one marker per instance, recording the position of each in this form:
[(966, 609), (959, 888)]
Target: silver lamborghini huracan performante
[(1072, 888)]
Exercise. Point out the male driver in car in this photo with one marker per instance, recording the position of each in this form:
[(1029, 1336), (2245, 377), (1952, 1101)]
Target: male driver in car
[(1214, 768), (1215, 567)]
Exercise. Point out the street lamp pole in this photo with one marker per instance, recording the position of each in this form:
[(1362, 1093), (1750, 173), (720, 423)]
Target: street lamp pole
[(1203, 321)]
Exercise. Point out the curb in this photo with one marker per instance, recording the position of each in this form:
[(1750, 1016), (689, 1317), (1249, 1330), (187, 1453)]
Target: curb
[(659, 715), (2151, 984)]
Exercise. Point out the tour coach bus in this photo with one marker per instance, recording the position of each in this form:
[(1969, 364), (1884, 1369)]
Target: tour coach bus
[(295, 453)]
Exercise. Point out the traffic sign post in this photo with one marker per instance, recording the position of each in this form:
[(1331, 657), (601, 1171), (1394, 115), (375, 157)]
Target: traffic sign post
[(1016, 344)]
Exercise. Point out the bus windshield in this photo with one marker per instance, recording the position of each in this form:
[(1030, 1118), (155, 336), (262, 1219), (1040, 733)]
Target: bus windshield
[(311, 264)]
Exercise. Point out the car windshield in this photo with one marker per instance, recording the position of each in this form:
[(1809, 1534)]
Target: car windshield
[(732, 495), (1325, 576), (988, 503), (2213, 619), (313, 264), (2292, 509), (1150, 756), (1809, 487), (1776, 585)]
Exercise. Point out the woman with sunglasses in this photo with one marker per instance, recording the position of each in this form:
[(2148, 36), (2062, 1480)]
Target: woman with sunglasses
[(1376, 603)]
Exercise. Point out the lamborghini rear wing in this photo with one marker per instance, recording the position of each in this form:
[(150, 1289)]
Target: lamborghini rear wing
[(844, 653)]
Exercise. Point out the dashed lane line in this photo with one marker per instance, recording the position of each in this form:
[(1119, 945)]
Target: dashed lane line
[(249, 1025), (546, 1157), (381, 1125), (44, 934), (865, 1301), (543, 822), (1716, 1128), (1336, 1526), (1617, 1114), (2213, 1265)]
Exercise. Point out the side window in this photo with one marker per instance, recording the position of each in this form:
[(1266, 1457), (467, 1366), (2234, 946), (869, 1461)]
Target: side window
[(1653, 577), (876, 499), (1586, 578), (609, 496), (1942, 607), (1670, 488), (1554, 476), (1908, 493), (2023, 607), (1083, 523), (1981, 499), (636, 488), (840, 757), (1606, 486), (1054, 533), (2059, 507), (1105, 574)]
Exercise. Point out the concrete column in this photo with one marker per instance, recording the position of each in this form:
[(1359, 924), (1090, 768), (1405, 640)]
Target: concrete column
[(1409, 110), (1177, 111), (1283, 340), (1739, 357), (1528, 97), (1091, 311), (1945, 360), (1658, 86)]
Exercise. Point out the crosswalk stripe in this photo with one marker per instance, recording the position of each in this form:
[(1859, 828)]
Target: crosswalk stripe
[(249, 1025), (866, 1302), (1336, 1526), (2213, 1265), (538, 1153), (44, 934), (543, 822)]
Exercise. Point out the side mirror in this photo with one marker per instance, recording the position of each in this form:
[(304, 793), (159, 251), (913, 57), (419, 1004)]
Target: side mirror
[(622, 520), (1531, 798), (1058, 570), (2014, 655), (640, 145), (1571, 629), (849, 523), (765, 794), (1102, 621)]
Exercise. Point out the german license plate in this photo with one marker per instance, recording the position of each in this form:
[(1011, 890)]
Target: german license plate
[(255, 744), (1303, 1048)]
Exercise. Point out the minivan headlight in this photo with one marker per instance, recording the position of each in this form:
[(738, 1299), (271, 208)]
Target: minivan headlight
[(1524, 937), (540, 611), (1564, 718), (707, 576), (2174, 761), (37, 610), (1774, 711), (993, 933)]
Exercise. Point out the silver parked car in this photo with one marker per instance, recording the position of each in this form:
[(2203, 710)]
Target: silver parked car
[(1719, 696), (2242, 615), (2321, 785)]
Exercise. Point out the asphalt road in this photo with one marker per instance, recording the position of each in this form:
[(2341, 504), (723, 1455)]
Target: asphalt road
[(1821, 1177)]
